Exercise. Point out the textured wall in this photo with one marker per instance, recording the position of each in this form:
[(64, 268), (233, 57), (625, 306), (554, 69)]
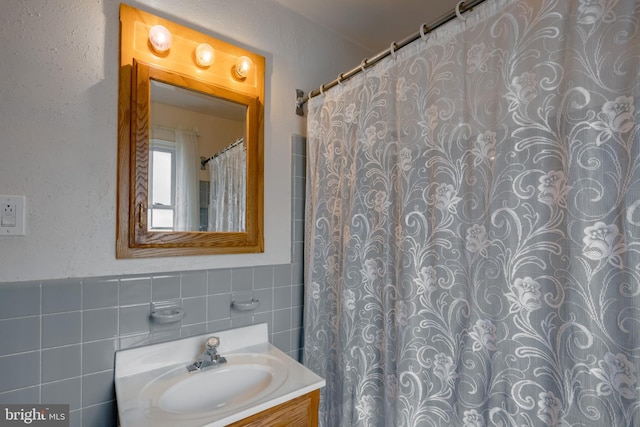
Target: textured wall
[(58, 91)]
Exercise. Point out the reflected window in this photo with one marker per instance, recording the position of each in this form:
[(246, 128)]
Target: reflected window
[(162, 183)]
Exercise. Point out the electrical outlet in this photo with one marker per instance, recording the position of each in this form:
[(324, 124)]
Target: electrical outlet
[(8, 215), (12, 216)]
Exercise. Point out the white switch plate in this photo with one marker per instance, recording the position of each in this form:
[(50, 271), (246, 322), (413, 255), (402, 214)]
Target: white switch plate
[(12, 215)]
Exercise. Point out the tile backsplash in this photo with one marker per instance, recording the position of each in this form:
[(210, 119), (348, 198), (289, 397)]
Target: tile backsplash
[(59, 337)]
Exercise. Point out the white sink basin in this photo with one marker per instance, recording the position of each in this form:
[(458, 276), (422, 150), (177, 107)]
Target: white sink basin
[(154, 387), (240, 381), (200, 394)]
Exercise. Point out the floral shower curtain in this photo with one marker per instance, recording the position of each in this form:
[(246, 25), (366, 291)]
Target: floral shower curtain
[(228, 189), (473, 211)]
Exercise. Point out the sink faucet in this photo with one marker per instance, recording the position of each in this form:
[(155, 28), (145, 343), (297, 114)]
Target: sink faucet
[(209, 358)]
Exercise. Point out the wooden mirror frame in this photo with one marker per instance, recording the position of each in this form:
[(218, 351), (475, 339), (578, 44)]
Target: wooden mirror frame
[(139, 64)]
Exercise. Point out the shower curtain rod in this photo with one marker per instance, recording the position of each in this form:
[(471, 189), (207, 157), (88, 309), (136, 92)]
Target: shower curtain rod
[(205, 160), (461, 8)]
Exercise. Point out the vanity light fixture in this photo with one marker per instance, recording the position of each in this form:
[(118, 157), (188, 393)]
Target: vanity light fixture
[(243, 66), (205, 55), (160, 38)]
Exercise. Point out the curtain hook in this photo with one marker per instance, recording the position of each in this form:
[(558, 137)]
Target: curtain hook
[(392, 50), (322, 90), (423, 34), (363, 65), (339, 79), (458, 13)]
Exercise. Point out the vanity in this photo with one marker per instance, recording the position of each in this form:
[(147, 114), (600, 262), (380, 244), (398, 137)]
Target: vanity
[(256, 385)]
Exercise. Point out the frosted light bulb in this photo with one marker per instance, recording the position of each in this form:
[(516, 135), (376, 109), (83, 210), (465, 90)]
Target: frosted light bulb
[(243, 66), (205, 55), (160, 38)]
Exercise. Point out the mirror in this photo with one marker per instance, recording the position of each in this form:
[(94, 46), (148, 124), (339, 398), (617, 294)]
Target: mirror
[(190, 145), (197, 174)]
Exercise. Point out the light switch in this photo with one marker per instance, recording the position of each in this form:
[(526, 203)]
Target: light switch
[(12, 215)]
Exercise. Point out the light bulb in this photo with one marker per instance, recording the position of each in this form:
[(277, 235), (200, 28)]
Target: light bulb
[(243, 66), (160, 38), (205, 55)]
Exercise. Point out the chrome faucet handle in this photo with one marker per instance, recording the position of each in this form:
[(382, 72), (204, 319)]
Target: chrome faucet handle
[(210, 357), (212, 343)]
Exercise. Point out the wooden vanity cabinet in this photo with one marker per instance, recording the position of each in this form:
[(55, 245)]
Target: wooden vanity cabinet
[(299, 412)]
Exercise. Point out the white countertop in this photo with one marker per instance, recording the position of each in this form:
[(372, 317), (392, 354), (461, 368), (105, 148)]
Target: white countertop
[(138, 367)]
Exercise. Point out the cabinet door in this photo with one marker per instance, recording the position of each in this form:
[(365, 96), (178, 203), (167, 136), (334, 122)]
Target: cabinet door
[(299, 412)]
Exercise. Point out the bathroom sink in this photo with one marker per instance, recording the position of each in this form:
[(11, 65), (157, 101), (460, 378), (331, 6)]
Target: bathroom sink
[(240, 381), (211, 390), (154, 386)]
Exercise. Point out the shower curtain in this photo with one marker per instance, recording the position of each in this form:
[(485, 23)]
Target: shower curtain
[(228, 189), (187, 217), (473, 225)]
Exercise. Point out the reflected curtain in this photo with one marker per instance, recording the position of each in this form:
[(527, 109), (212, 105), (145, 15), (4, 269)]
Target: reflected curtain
[(187, 216), (473, 225), (228, 189), (184, 143)]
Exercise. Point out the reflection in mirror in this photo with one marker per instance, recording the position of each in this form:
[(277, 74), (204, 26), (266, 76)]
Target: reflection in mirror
[(197, 161)]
